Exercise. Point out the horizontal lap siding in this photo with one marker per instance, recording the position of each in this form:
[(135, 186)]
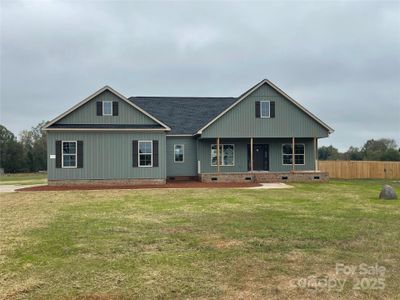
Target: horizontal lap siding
[(86, 114), (275, 154), (189, 166), (289, 120), (107, 155)]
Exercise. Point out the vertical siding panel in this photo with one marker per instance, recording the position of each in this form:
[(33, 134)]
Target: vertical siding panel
[(189, 166), (107, 155), (288, 121), (86, 114)]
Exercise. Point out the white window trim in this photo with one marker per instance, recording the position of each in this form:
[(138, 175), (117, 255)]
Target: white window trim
[(62, 155), (269, 110), (222, 161), (183, 153), (151, 165), (111, 108), (293, 158)]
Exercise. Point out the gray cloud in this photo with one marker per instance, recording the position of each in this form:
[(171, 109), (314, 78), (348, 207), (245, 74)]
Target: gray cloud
[(339, 59)]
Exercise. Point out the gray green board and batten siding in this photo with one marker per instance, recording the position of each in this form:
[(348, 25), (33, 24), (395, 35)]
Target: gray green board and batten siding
[(86, 114), (108, 154), (189, 166), (289, 120)]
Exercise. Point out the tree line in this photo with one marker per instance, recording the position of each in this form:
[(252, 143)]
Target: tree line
[(29, 152), (377, 150)]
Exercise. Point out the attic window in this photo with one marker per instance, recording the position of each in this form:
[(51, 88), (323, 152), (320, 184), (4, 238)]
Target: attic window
[(264, 109), (107, 108)]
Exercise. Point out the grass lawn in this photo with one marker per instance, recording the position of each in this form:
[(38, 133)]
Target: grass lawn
[(198, 243), (23, 178)]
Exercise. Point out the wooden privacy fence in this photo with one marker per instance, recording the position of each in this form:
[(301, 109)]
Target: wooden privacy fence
[(350, 169)]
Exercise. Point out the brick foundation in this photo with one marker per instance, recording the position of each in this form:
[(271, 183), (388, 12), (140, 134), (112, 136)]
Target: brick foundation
[(107, 182), (265, 177)]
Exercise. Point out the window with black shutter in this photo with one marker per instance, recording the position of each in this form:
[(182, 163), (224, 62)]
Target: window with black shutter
[(155, 153), (80, 154), (58, 154), (115, 108), (272, 109), (99, 108), (135, 153), (257, 109)]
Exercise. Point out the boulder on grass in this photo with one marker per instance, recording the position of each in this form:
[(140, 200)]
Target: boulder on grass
[(387, 192)]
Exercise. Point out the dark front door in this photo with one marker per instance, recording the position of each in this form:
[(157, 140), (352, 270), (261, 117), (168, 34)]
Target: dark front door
[(260, 157)]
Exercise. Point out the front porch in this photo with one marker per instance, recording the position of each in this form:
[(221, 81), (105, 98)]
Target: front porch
[(259, 160), (256, 154)]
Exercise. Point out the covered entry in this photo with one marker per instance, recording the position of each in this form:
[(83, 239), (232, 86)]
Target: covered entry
[(260, 157)]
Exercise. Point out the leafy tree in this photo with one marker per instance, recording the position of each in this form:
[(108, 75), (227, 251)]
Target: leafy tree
[(35, 147), (391, 155), (377, 149), (353, 153), (328, 153), (11, 152)]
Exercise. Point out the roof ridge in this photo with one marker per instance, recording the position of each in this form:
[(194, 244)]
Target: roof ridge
[(183, 97)]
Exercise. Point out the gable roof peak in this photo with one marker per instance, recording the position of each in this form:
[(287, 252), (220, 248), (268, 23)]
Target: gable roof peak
[(98, 92), (255, 87)]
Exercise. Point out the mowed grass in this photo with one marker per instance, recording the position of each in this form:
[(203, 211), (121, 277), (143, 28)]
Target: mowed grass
[(196, 243), (23, 179)]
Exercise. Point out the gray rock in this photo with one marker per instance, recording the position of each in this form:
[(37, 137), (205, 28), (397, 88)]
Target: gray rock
[(387, 192)]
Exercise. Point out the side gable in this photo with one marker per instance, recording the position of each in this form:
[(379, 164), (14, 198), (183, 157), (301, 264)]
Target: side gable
[(291, 119), (129, 116)]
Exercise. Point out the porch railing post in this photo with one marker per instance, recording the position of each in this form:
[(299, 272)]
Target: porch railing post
[(251, 155), (293, 155)]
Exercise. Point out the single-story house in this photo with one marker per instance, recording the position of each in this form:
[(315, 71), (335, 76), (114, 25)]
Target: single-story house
[(262, 135)]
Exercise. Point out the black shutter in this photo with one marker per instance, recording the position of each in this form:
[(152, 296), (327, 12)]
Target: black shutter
[(58, 154), (115, 108), (155, 153), (134, 153), (99, 108), (80, 154), (272, 109), (257, 109)]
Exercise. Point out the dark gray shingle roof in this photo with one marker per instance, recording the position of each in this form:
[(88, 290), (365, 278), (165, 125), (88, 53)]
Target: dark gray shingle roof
[(184, 115), (107, 126)]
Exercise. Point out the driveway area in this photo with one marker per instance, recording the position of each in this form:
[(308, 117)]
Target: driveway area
[(9, 188)]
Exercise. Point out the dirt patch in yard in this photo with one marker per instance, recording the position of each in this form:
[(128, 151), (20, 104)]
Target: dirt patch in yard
[(183, 184)]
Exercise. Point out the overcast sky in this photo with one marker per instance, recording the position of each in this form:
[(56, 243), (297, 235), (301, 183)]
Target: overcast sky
[(341, 60)]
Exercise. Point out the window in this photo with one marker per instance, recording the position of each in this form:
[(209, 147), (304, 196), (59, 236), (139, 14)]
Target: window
[(226, 155), (107, 108), (145, 153), (264, 109), (299, 154), (69, 154), (179, 151)]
